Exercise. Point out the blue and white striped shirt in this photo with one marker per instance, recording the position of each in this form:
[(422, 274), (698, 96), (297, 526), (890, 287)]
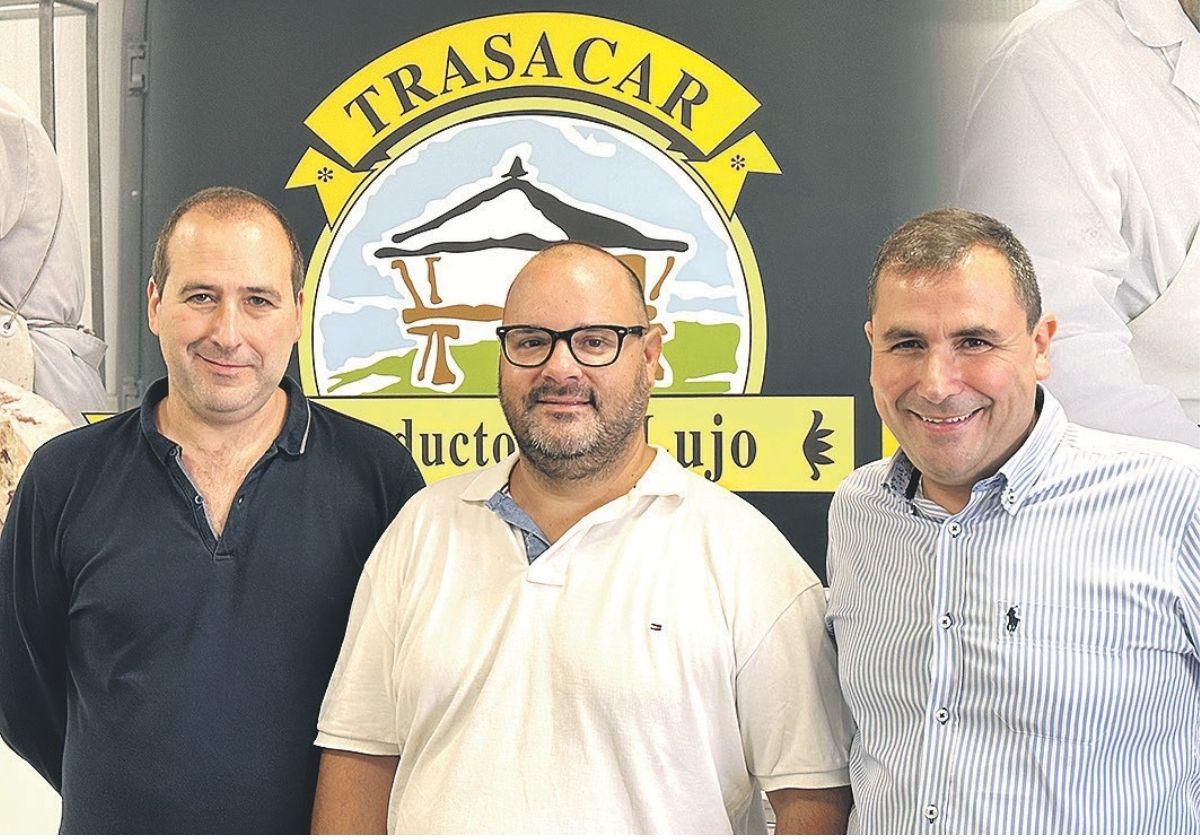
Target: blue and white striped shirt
[(1029, 664)]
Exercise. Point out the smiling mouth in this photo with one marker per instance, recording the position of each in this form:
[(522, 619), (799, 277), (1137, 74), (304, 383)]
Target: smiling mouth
[(225, 367), (947, 422)]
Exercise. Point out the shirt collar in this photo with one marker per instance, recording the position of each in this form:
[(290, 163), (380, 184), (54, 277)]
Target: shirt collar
[(292, 439), (1163, 23), (1018, 475), (1157, 23), (664, 477)]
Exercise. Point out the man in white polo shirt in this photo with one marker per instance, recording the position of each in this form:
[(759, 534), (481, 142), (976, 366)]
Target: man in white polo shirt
[(586, 637)]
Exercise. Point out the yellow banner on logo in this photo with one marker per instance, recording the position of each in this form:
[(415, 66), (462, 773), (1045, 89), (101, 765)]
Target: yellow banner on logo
[(570, 55), (744, 443)]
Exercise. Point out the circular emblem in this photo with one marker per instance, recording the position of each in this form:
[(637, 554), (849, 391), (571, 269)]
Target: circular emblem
[(406, 290)]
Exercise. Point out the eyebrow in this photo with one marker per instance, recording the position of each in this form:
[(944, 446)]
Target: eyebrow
[(901, 334), (200, 286), (976, 331)]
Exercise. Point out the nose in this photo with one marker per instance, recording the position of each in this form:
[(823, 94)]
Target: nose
[(227, 328), (941, 377), (562, 364)]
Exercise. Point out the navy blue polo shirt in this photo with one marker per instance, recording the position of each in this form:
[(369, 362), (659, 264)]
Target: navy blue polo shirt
[(164, 679)]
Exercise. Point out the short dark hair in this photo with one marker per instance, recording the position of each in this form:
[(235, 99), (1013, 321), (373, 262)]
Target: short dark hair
[(940, 240), (224, 203)]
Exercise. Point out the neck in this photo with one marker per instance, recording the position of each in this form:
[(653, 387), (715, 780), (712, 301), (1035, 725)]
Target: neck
[(177, 421), (952, 499), (556, 504)]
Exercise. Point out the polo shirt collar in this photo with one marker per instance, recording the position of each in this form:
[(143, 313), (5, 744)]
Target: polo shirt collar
[(1018, 475), (664, 477), (292, 439)]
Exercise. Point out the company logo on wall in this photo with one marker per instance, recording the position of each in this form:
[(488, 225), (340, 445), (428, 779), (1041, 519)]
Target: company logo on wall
[(445, 164)]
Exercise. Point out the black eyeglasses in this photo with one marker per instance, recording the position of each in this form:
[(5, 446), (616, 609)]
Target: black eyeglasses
[(593, 345)]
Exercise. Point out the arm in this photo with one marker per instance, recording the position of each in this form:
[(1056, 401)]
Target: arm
[(1039, 156), (811, 811), (794, 724), (353, 792), (33, 636)]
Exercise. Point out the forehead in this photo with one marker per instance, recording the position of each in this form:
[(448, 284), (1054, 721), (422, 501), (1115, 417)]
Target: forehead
[(251, 241), (979, 291), (572, 288)]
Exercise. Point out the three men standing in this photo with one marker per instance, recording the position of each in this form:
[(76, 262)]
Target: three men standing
[(174, 581), (586, 637)]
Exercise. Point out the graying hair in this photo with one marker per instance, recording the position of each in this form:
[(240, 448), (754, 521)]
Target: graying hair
[(940, 240)]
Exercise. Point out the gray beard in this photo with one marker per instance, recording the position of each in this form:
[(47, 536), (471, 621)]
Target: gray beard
[(549, 455)]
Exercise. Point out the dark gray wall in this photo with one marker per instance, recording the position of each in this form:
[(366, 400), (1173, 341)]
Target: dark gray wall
[(231, 82)]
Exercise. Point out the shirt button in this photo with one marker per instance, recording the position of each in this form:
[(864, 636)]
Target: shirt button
[(942, 715), (1010, 496), (954, 529), (199, 499), (930, 812), (240, 500), (946, 621)]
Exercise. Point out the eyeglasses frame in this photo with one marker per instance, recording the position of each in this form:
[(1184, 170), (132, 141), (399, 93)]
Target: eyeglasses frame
[(567, 335)]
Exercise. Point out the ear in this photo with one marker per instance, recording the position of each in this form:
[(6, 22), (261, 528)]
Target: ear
[(153, 299), (1043, 333), (870, 331), (299, 315), (652, 349)]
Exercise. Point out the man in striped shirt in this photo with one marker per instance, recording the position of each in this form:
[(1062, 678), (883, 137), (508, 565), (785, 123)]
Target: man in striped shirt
[(1015, 599)]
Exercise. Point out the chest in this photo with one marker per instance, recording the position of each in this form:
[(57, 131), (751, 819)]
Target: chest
[(150, 582), (605, 628), (218, 480), (1046, 614)]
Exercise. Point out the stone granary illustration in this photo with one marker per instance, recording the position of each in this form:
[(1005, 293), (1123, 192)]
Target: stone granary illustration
[(460, 301)]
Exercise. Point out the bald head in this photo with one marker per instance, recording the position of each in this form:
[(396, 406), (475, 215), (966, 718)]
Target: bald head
[(571, 273)]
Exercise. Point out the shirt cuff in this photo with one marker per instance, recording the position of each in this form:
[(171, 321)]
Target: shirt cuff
[(356, 745), (806, 781)]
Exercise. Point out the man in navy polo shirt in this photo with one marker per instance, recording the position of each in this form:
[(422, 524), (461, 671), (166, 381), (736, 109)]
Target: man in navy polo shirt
[(175, 581)]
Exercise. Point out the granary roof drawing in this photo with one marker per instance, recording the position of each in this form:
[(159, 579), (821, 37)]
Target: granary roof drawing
[(546, 219)]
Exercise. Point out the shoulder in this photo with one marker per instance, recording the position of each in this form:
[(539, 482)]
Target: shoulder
[(349, 439), (350, 431), (72, 450), (722, 509), (1112, 454), (82, 459), (744, 545), (1061, 30), (443, 497), (862, 488)]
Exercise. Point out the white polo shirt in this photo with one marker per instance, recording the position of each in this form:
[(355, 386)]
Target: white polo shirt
[(650, 671)]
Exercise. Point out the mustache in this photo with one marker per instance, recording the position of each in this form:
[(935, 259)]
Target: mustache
[(576, 390)]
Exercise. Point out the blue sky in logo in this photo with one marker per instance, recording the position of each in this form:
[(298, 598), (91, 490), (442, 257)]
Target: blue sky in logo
[(625, 181), (352, 334)]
